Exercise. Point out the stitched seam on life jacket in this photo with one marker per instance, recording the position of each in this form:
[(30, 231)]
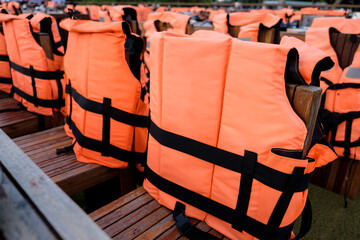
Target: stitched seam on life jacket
[(234, 162)]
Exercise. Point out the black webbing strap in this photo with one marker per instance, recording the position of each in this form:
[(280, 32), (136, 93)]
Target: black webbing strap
[(58, 44), (186, 228), (282, 205), (338, 86), (225, 213), (4, 58), (68, 117), (45, 75), (106, 127), (331, 121), (111, 150), (5, 80), (115, 113), (40, 102), (66, 149), (246, 181), (33, 84), (306, 220), (234, 162)]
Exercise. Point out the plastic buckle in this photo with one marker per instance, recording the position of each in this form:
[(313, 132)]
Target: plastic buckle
[(182, 222)]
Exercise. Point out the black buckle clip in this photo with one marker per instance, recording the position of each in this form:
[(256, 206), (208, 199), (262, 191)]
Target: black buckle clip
[(182, 222)]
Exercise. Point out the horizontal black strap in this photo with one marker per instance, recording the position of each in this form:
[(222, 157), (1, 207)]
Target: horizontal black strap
[(332, 119), (5, 80), (57, 103), (97, 146), (46, 75), (216, 209), (59, 44), (4, 58), (115, 113), (264, 174), (338, 86)]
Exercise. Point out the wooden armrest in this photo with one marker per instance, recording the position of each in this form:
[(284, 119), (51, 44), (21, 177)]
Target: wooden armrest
[(305, 101), (44, 40)]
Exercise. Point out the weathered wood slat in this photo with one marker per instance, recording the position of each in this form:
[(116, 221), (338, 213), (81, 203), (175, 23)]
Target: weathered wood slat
[(69, 174), (66, 219), (18, 219)]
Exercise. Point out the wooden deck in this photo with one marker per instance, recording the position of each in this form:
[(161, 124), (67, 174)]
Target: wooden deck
[(138, 216)]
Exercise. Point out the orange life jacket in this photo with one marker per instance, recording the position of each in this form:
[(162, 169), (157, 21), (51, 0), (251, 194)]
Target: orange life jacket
[(83, 9), (105, 113), (37, 81), (177, 21), (94, 12), (104, 16), (14, 8), (5, 74), (341, 109), (143, 12), (42, 22), (249, 23), (230, 151)]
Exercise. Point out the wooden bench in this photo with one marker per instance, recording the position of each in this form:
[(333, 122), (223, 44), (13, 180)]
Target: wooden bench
[(297, 33), (190, 28), (343, 175), (32, 206), (138, 216), (69, 174)]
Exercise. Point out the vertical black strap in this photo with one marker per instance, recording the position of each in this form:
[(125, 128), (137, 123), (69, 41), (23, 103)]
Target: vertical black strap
[(249, 164), (106, 127), (283, 203), (33, 84), (68, 118), (186, 228), (60, 89), (306, 220), (347, 138)]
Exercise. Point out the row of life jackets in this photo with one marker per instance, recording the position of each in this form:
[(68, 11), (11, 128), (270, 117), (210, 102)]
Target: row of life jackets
[(105, 113), (341, 106), (225, 146), (37, 80)]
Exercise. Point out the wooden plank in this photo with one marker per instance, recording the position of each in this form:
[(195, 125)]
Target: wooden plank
[(190, 28), (18, 219), (234, 31), (266, 35), (300, 36), (65, 217), (345, 47), (44, 40), (306, 103)]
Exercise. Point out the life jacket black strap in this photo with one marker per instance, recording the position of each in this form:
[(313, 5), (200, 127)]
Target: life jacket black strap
[(185, 227), (234, 162), (4, 58), (114, 113), (56, 103), (5, 80), (225, 213), (45, 75), (332, 120), (111, 150)]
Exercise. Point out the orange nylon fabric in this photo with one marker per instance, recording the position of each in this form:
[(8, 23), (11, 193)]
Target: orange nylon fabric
[(177, 20), (24, 51), (341, 100), (309, 56), (104, 16), (5, 74), (231, 119), (97, 72), (243, 19)]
